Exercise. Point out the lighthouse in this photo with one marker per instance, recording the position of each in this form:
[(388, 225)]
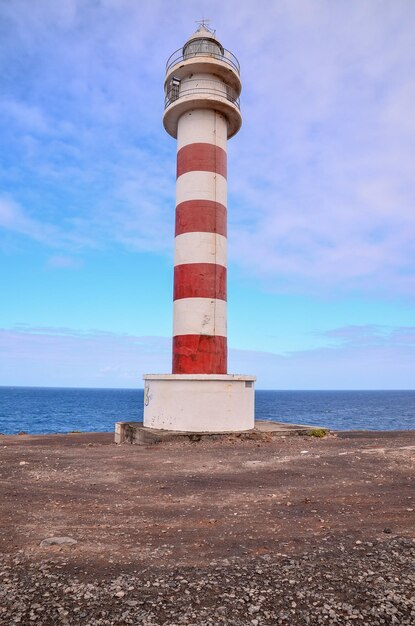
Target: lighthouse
[(202, 111)]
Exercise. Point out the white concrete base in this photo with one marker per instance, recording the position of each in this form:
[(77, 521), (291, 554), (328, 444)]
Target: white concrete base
[(199, 402)]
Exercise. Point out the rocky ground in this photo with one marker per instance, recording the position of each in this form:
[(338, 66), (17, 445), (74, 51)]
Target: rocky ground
[(288, 531)]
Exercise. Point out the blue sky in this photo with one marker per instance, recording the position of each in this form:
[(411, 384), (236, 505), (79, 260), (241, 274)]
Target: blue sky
[(321, 191)]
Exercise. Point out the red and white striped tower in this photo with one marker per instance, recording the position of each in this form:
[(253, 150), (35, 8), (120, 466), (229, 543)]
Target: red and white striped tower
[(202, 89), (199, 327)]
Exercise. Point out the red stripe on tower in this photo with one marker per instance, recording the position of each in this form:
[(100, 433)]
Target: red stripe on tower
[(199, 354), (202, 157), (202, 216), (199, 280)]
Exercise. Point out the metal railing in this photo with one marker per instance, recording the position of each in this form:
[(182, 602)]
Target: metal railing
[(190, 87), (226, 57)]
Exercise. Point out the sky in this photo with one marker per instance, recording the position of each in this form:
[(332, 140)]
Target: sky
[(321, 191)]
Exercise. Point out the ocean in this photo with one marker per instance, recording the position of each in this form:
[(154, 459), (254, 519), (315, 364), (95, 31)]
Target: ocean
[(51, 410)]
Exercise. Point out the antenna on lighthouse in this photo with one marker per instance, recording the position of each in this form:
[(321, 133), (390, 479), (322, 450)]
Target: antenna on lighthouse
[(203, 25), (203, 22)]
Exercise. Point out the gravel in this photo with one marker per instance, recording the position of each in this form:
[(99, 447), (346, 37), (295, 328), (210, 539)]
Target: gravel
[(365, 582)]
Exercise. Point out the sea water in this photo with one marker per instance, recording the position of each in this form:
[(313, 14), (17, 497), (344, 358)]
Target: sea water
[(52, 410)]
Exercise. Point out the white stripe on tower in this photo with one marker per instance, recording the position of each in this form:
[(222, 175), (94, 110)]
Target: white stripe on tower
[(199, 311), (205, 127), (201, 186), (200, 248), (194, 316)]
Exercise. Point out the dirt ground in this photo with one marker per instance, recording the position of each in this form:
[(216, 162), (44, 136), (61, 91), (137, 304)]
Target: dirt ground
[(183, 506)]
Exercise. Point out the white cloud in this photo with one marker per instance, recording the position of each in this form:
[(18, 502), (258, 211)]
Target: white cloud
[(14, 219), (361, 357), (66, 357), (372, 335), (60, 261), (24, 115)]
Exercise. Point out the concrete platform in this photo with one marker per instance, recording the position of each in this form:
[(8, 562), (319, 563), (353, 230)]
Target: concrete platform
[(199, 402), (137, 433)]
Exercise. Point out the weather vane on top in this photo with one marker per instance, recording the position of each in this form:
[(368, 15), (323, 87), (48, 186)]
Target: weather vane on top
[(203, 23)]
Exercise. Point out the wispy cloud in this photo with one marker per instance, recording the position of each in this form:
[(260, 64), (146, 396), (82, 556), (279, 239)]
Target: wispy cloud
[(372, 335), (60, 261), (14, 219), (360, 358), (62, 356)]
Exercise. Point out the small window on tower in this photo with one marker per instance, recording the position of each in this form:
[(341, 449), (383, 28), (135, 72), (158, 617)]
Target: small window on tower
[(174, 88)]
